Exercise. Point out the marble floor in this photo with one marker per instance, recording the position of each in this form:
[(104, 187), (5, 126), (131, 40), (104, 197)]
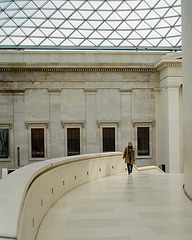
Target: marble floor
[(146, 205)]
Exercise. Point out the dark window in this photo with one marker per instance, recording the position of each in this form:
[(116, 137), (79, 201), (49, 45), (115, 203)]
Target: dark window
[(37, 143), (143, 141), (4, 143), (108, 139), (73, 141)]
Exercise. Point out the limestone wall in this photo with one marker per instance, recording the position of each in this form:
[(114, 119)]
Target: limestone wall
[(90, 91)]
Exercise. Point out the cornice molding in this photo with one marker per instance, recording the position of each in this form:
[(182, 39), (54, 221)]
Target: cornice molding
[(64, 124), (172, 86), (163, 64), (27, 124), (12, 91), (79, 69), (90, 90), (173, 64), (125, 91), (169, 60), (115, 123), (6, 125), (143, 122), (54, 90)]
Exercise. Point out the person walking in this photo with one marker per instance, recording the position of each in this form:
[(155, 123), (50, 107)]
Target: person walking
[(129, 156)]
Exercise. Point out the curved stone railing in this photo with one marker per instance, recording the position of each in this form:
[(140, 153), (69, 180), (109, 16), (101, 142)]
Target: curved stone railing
[(27, 194), (148, 168)]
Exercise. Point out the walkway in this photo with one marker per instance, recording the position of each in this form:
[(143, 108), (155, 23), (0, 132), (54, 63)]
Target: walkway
[(144, 206)]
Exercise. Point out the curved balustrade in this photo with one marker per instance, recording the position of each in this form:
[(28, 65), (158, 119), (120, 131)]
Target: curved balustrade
[(28, 193)]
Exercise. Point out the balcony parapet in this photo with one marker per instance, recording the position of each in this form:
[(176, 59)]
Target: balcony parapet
[(29, 192)]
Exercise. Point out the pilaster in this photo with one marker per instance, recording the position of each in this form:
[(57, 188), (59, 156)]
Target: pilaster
[(91, 126), (173, 128), (20, 148), (169, 144), (55, 119), (126, 124), (158, 125)]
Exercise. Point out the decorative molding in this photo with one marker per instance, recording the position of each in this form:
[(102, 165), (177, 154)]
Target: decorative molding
[(79, 69), (163, 64), (172, 86), (157, 90), (143, 122), (116, 123), (173, 64), (36, 123), (12, 91), (90, 90), (125, 91), (6, 125), (82, 124), (54, 90)]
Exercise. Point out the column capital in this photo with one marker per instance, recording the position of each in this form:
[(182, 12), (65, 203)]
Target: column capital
[(172, 86), (54, 90), (90, 90), (125, 91), (157, 90)]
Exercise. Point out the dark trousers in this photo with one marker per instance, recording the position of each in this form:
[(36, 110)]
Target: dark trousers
[(129, 168)]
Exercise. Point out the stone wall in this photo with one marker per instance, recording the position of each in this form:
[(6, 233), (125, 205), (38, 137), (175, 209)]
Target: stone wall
[(88, 90)]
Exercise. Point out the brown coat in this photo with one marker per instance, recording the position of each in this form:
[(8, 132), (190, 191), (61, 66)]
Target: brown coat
[(127, 156)]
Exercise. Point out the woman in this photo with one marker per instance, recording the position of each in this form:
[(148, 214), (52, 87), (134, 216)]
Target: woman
[(129, 156)]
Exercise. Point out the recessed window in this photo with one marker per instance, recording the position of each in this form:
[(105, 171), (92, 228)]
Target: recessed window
[(4, 143), (109, 139), (37, 143), (143, 141), (73, 141)]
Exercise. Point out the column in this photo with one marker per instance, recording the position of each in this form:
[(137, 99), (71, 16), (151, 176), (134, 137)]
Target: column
[(91, 121)]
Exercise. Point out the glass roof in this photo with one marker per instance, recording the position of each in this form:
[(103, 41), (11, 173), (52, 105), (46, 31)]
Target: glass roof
[(90, 24)]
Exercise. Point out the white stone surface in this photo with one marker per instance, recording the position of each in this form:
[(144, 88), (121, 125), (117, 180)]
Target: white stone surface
[(29, 192), (147, 205)]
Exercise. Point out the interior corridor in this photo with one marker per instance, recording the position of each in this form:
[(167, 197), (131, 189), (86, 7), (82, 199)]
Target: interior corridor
[(147, 205)]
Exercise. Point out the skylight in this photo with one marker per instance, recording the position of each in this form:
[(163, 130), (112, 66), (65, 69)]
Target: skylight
[(93, 24)]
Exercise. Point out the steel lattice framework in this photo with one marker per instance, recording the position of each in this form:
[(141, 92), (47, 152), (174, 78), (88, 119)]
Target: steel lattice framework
[(90, 24)]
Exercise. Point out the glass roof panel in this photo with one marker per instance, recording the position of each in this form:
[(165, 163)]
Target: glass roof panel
[(39, 4), (93, 24), (8, 42)]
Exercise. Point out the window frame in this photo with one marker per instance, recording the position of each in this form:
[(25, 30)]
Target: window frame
[(78, 139), (37, 139), (31, 126), (67, 125), (144, 155), (145, 123), (108, 124), (103, 137), (7, 126)]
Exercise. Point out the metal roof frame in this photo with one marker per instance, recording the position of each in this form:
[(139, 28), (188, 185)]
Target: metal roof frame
[(91, 25)]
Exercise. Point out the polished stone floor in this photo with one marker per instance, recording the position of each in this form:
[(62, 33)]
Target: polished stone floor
[(146, 205)]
